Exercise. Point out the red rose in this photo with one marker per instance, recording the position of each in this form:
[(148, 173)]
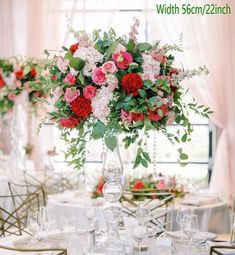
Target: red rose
[(153, 115), (173, 88), (174, 71), (69, 122), (137, 116), (100, 187), (131, 82), (53, 77), (81, 107), (19, 74), (33, 72), (2, 82), (138, 185), (74, 47)]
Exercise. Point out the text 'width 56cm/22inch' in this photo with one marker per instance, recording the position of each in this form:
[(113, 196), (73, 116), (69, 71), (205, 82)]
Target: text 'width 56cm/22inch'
[(189, 9)]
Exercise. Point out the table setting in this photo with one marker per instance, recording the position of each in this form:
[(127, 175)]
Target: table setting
[(107, 97), (135, 237)]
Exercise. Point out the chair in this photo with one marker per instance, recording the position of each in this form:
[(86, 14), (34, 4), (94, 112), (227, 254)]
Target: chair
[(70, 180), (13, 220), (160, 210), (38, 251), (46, 178), (220, 248), (17, 189)]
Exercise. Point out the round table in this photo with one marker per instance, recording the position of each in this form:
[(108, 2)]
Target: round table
[(213, 217)]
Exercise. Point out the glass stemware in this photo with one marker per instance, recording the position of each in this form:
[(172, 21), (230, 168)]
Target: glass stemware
[(33, 225), (139, 233), (191, 228), (181, 214)]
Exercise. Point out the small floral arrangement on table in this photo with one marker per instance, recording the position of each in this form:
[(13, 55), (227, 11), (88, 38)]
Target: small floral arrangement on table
[(157, 185), (97, 192), (105, 85), (15, 77), (146, 185)]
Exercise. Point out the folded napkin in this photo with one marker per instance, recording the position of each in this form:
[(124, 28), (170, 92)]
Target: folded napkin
[(199, 200), (22, 241)]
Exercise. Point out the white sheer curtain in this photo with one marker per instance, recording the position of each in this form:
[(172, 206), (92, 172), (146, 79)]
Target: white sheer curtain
[(30, 26)]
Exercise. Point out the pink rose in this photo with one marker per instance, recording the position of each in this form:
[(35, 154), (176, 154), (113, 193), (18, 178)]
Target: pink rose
[(98, 76), (89, 92), (70, 79), (71, 95), (109, 67), (126, 116), (11, 96), (122, 59), (161, 184)]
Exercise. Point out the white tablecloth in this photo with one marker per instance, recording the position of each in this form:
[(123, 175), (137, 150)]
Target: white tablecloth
[(211, 218)]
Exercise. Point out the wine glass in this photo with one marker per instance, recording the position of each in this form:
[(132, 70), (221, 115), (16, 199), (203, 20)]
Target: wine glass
[(181, 214), (43, 220), (33, 224), (191, 228), (139, 233)]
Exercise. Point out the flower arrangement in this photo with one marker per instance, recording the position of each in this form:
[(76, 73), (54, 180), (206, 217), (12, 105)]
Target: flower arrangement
[(97, 192), (104, 85), (15, 77), (158, 186)]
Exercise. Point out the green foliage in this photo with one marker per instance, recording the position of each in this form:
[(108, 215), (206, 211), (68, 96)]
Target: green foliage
[(76, 63)]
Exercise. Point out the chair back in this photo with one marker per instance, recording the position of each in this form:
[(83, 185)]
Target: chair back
[(13, 220), (17, 189), (221, 249), (53, 251), (159, 205)]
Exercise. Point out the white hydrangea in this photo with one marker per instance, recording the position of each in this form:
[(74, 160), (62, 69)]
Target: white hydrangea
[(100, 103), (10, 80), (151, 68), (91, 56)]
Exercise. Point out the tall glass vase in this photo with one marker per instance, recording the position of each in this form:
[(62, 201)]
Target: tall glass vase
[(112, 191)]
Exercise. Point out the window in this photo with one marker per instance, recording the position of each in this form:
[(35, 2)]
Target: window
[(102, 14)]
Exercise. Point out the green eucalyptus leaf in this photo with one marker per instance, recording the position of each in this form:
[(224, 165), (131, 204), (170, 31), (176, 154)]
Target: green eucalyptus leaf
[(144, 162), (146, 156), (68, 55), (142, 92), (137, 161), (144, 46), (111, 142), (131, 45), (183, 156), (112, 48), (98, 130), (77, 63)]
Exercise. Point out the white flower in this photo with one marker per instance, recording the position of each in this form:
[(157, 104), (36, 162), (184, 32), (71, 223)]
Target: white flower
[(119, 48), (100, 103), (91, 56), (10, 80), (151, 68)]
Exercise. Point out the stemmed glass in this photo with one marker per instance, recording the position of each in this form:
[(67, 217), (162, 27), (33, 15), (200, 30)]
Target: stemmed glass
[(139, 233), (191, 228), (33, 225), (181, 214), (43, 220)]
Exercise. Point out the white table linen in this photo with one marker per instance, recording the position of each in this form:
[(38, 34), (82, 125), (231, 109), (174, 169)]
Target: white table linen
[(213, 217)]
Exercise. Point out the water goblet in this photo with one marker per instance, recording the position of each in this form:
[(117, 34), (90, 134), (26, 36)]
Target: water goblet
[(139, 233), (191, 228), (33, 225)]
